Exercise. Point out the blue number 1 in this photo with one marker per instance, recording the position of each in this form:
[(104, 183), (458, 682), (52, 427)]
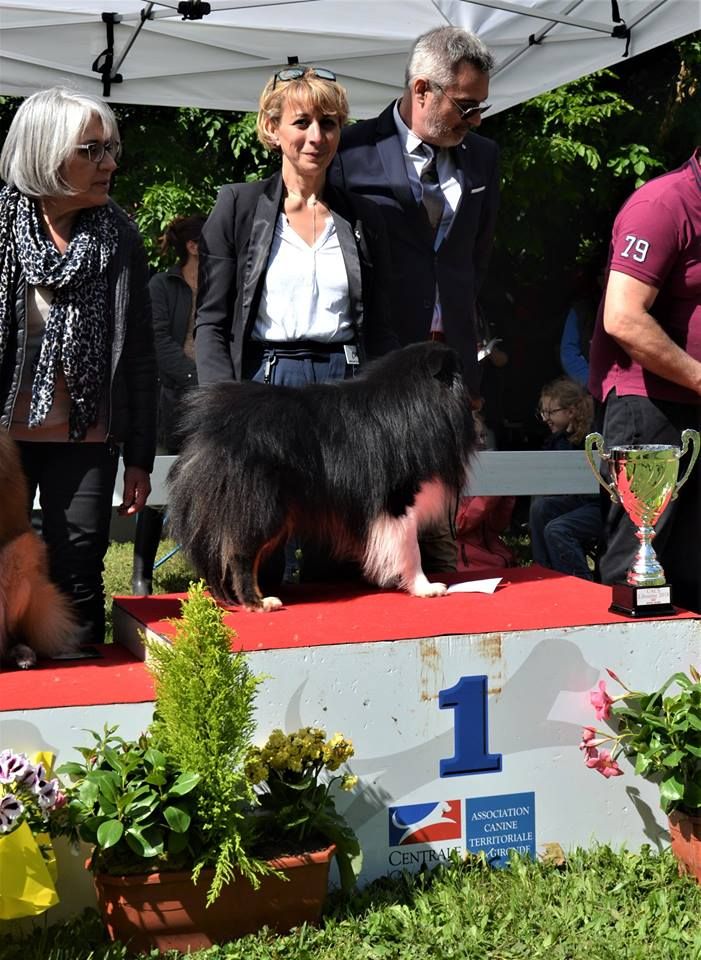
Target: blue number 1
[(469, 700)]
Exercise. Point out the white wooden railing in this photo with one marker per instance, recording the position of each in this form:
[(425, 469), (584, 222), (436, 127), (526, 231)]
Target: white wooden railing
[(506, 472)]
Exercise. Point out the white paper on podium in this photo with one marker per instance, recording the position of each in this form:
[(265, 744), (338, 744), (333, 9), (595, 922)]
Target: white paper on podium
[(476, 586)]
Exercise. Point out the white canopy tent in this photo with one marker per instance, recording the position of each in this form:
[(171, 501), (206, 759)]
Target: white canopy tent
[(223, 59)]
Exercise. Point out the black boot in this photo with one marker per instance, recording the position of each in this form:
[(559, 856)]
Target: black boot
[(149, 526)]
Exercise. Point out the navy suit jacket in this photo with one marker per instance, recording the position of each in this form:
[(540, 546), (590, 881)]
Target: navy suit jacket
[(370, 162)]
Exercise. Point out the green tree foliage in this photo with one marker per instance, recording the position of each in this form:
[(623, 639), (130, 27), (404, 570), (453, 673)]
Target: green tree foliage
[(175, 160), (570, 156)]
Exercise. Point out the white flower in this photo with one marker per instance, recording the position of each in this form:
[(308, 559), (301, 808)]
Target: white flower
[(48, 793), (10, 808), (14, 766)]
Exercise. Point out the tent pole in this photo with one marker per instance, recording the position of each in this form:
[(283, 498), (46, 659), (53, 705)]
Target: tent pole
[(104, 63)]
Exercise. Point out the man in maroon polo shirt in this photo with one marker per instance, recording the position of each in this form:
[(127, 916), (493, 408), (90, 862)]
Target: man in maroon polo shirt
[(645, 361)]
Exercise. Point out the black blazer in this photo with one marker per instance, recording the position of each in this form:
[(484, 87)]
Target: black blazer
[(370, 162), (171, 303), (234, 250)]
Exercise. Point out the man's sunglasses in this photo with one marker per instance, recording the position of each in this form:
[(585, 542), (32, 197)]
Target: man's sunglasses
[(464, 112), (296, 73)]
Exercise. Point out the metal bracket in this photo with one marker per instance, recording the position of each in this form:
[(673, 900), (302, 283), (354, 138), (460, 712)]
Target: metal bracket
[(104, 61)]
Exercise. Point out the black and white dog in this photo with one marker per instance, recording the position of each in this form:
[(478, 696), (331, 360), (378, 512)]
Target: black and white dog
[(360, 465)]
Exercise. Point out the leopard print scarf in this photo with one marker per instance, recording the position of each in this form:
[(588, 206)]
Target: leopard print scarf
[(76, 335)]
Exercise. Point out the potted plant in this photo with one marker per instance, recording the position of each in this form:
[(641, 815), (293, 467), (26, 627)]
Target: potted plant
[(172, 816), (31, 804), (297, 805), (660, 732)]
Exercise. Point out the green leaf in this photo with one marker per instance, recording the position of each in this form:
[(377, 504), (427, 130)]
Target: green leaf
[(109, 833), (671, 791), (178, 820), (108, 784), (71, 769), (185, 783), (641, 763), (155, 758), (146, 843)]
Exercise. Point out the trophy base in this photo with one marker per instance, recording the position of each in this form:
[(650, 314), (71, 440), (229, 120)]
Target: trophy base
[(632, 601)]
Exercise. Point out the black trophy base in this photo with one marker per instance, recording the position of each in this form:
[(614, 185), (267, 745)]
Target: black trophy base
[(634, 601)]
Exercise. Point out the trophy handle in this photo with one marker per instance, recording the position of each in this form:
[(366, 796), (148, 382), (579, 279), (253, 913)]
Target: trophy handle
[(594, 441), (688, 437)]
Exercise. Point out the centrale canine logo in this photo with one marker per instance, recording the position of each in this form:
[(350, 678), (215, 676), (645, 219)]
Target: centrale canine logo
[(425, 822)]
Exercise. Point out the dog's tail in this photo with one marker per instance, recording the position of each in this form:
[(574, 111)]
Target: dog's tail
[(34, 613), (14, 512)]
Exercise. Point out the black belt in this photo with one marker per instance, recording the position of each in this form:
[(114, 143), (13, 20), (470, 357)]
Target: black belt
[(296, 348)]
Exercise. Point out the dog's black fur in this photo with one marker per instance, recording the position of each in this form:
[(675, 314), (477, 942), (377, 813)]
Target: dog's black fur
[(360, 465)]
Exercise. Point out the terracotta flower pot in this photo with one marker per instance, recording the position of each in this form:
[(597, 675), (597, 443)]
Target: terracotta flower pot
[(169, 912), (685, 830)]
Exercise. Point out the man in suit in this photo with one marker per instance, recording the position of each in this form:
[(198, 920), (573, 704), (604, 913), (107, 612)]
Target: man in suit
[(436, 184)]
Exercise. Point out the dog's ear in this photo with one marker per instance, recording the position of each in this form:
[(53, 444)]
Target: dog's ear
[(443, 363)]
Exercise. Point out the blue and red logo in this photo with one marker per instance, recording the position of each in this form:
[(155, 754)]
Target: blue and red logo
[(425, 822)]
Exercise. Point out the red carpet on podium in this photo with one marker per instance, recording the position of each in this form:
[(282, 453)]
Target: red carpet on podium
[(529, 598)]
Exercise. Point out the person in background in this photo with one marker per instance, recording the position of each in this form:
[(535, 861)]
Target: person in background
[(579, 323), (436, 183), (645, 361), (564, 527), (77, 359), (293, 271), (173, 298)]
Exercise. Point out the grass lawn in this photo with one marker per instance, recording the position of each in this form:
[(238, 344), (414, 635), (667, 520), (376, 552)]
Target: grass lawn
[(172, 577), (601, 905)]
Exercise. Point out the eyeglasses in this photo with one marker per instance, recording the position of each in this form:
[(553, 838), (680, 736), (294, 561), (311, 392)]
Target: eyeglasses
[(96, 151), (296, 73), (464, 112), (545, 415)]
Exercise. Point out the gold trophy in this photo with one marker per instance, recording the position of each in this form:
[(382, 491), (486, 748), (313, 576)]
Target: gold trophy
[(643, 479)]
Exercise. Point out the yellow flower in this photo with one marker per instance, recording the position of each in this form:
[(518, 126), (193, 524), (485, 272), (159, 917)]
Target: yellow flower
[(256, 771), (337, 751), (349, 781)]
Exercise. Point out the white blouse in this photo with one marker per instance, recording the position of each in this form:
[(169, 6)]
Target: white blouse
[(305, 293)]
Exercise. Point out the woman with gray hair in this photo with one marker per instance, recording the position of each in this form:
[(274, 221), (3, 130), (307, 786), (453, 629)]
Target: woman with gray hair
[(77, 361)]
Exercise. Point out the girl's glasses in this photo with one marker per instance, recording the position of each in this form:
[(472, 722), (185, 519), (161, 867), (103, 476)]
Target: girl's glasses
[(545, 415), (296, 73)]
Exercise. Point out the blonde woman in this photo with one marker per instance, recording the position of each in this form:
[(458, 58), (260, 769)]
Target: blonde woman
[(293, 271)]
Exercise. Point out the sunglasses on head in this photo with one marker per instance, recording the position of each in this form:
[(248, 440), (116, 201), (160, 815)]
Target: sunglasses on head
[(296, 73)]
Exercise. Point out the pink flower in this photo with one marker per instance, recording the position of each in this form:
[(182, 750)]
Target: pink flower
[(614, 677), (604, 764), (601, 701), (588, 733)]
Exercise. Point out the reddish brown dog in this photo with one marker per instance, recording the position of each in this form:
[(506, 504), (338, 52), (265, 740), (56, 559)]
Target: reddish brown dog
[(35, 617)]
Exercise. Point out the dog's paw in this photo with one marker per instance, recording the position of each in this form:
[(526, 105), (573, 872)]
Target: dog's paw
[(424, 588), (266, 605), (22, 656)]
